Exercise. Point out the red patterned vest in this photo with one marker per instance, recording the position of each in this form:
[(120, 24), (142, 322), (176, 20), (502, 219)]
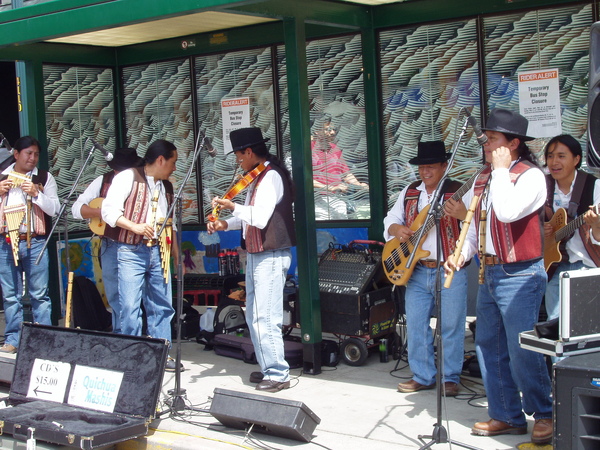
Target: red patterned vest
[(450, 227), (136, 207), (521, 240)]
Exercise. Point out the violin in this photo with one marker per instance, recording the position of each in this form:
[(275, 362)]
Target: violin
[(238, 187)]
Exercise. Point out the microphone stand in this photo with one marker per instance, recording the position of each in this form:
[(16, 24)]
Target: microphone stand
[(177, 401), (439, 434), (63, 206)]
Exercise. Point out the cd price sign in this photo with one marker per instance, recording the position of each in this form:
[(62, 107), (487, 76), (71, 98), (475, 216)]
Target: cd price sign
[(48, 380)]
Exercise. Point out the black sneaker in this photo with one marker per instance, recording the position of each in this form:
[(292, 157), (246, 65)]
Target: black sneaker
[(256, 377), (170, 366)]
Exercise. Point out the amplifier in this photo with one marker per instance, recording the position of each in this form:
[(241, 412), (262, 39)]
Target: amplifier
[(349, 271), (372, 313)]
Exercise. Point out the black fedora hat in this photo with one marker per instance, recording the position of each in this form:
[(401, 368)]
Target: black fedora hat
[(242, 138), (430, 153), (508, 122), (125, 158)]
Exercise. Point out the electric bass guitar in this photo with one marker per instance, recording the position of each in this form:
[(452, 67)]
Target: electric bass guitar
[(560, 230), (97, 225), (395, 254)]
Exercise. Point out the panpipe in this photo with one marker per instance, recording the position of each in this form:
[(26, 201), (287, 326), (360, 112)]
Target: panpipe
[(152, 218), (14, 218), (17, 178), (164, 244)]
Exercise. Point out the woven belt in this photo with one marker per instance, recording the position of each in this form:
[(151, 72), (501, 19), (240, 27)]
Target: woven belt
[(492, 260), (429, 263), (22, 236)]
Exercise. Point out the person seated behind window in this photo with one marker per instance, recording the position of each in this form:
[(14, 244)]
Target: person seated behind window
[(331, 174)]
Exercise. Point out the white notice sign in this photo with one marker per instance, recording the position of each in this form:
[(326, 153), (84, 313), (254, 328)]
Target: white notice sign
[(48, 380), (236, 114), (539, 102), (95, 388)]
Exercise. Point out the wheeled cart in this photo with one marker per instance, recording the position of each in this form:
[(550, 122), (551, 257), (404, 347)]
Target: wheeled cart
[(358, 304)]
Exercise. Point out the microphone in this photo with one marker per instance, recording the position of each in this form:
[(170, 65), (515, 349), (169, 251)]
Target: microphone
[(5, 143), (210, 149), (107, 155), (480, 135)]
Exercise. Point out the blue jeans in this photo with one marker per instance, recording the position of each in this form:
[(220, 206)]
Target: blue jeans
[(507, 304), (141, 279), (420, 306), (265, 280), (553, 288), (11, 279), (110, 276)]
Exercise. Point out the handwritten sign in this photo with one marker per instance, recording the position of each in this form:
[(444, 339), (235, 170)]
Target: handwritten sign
[(94, 388), (539, 102), (236, 114), (48, 380)]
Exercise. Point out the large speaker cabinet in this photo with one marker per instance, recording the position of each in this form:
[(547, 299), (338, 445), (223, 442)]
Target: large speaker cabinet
[(576, 409), (270, 415)]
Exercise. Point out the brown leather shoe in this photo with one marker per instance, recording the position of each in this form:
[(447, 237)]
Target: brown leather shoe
[(542, 431), (272, 386), (495, 427), (413, 386), (451, 389)]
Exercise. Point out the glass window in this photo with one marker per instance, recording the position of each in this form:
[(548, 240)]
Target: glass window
[(158, 105), (557, 38), (226, 76), (79, 105), (338, 134), (429, 74)]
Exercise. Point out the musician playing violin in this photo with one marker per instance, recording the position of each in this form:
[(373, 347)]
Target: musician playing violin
[(576, 191), (421, 288), (266, 220), (24, 184)]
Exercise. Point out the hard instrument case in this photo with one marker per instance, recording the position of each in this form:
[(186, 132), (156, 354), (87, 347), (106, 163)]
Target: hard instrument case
[(82, 388), (579, 328)]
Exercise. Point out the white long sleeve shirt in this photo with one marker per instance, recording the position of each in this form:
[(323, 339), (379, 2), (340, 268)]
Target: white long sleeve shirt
[(268, 194), (113, 205), (396, 215), (510, 201), (575, 248), (47, 199), (92, 192)]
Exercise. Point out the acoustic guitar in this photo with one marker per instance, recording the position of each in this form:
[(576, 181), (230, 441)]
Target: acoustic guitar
[(560, 231), (395, 254), (97, 225)]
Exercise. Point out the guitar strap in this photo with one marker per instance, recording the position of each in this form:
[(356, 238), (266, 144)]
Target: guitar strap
[(576, 194), (580, 182)]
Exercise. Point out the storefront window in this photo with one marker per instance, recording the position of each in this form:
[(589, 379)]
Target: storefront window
[(429, 77), (158, 105), (79, 105), (338, 135)]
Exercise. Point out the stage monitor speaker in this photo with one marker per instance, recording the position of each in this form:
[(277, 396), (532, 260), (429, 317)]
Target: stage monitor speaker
[(576, 396), (593, 153), (278, 417)]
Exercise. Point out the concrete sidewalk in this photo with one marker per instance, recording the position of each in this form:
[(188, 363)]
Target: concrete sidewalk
[(358, 407)]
